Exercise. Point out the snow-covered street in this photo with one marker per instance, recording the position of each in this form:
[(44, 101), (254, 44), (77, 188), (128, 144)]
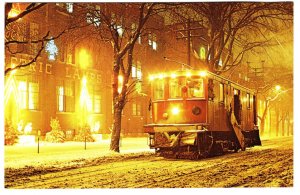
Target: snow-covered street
[(270, 165)]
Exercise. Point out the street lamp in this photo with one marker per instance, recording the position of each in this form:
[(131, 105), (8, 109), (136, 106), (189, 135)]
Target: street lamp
[(84, 59), (277, 87), (39, 134)]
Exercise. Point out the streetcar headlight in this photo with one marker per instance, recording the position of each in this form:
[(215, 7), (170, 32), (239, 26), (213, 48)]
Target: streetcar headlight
[(175, 111)]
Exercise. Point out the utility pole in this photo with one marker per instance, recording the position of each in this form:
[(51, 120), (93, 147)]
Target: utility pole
[(189, 37)]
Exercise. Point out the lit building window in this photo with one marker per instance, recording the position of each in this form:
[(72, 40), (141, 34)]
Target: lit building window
[(150, 39), (133, 108), (33, 100), (69, 7), (97, 100), (133, 71), (136, 71), (154, 42), (97, 20), (65, 96), (34, 32), (139, 71), (120, 30), (28, 95), (138, 87), (89, 18), (93, 16), (154, 45), (220, 62), (22, 87), (136, 109), (97, 103), (202, 53), (133, 28), (70, 96), (70, 54), (60, 98)]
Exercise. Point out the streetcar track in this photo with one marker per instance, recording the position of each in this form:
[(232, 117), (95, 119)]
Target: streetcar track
[(66, 172)]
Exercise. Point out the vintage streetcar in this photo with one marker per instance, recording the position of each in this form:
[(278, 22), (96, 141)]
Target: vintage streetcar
[(195, 114)]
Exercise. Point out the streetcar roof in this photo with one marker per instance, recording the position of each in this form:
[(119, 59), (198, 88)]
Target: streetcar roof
[(199, 73)]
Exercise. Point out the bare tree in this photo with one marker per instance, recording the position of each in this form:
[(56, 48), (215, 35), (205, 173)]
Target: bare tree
[(9, 20), (235, 28), (270, 96), (121, 25), (11, 42)]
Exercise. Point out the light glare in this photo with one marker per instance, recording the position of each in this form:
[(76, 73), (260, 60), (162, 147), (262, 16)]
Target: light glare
[(203, 73), (175, 110)]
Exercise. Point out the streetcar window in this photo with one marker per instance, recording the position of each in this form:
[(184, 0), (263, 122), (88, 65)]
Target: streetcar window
[(175, 86), (236, 92), (195, 87), (248, 100), (221, 92), (158, 89)]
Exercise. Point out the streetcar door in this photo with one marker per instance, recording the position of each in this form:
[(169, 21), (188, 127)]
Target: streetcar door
[(254, 110), (237, 106)]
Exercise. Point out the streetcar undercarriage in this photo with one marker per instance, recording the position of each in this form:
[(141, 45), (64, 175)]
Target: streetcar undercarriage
[(196, 144)]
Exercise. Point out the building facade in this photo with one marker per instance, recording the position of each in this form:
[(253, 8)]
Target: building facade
[(71, 79)]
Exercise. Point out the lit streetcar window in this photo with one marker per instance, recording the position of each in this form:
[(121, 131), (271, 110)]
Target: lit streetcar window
[(195, 87), (175, 86), (158, 89)]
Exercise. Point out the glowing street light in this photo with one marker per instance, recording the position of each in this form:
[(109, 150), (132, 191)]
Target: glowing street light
[(277, 87), (15, 10), (203, 73), (188, 74), (161, 76), (151, 77), (173, 75), (84, 59)]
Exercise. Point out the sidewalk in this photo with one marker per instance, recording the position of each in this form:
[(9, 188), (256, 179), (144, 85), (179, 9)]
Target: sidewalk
[(55, 153)]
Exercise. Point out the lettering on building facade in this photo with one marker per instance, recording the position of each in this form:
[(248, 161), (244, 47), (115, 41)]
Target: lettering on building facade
[(71, 72)]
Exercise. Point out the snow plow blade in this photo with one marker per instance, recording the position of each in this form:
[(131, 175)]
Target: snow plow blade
[(237, 131)]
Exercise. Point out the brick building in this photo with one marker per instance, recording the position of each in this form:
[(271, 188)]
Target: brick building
[(71, 79)]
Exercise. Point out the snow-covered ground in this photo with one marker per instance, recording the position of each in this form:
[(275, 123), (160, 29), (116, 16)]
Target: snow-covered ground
[(270, 165), (19, 156)]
